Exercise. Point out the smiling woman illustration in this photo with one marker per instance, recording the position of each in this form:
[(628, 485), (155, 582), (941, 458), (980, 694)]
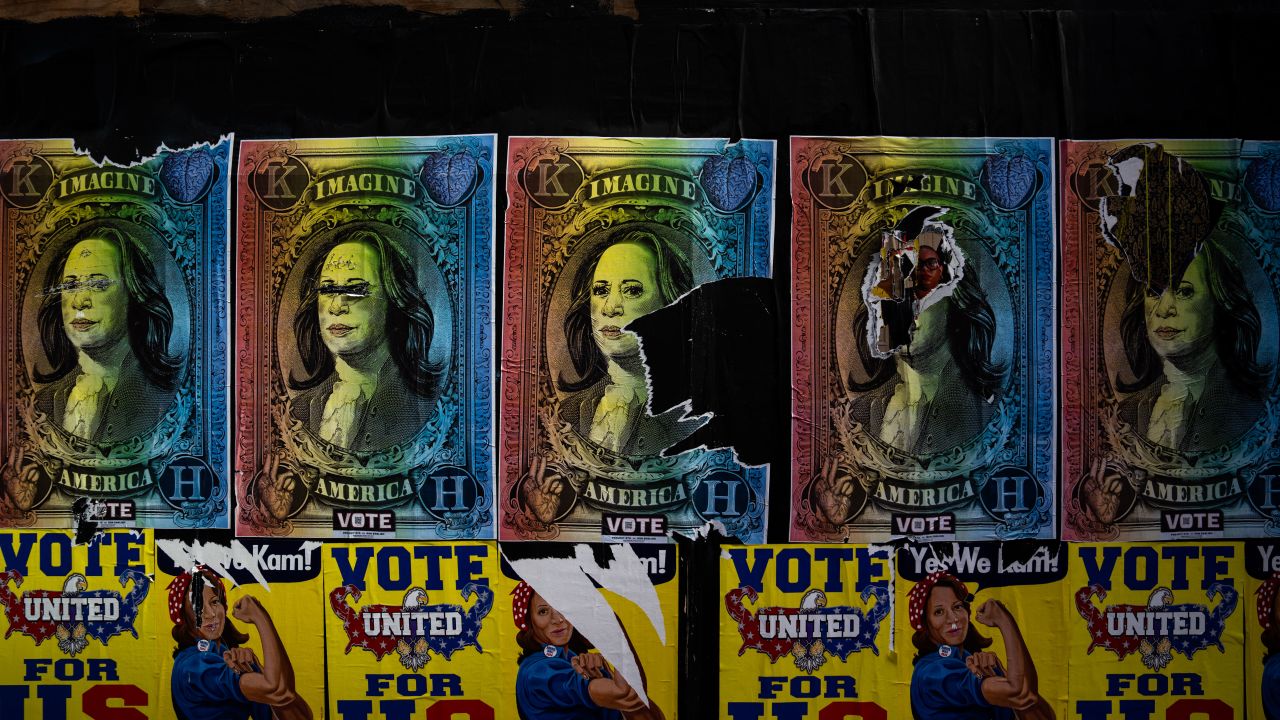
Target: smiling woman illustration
[(364, 331), (105, 325), (954, 677), (631, 274), (558, 678), (1193, 349), (213, 677)]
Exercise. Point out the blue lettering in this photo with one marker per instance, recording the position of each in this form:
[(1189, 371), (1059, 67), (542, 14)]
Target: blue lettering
[(752, 576), (793, 560), (432, 554), (1099, 574), (834, 557), (404, 570), (352, 575), (470, 568), (17, 558)]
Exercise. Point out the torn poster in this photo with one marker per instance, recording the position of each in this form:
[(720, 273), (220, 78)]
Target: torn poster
[(242, 634), (79, 637), (1171, 334), (601, 232), (411, 631), (922, 339), (805, 632), (1155, 630), (590, 630), (115, 343), (996, 605), (365, 341)]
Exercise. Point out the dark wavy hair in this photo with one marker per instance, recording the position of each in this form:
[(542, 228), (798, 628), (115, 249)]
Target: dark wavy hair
[(1271, 641), (971, 333), (974, 641), (1237, 327), (185, 634), (149, 317), (410, 322), (675, 278)]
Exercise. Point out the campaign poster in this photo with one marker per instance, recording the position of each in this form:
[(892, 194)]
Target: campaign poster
[(1262, 628), (589, 630), (1155, 631), (923, 339), (364, 341), (241, 632), (114, 360), (79, 641), (410, 632), (807, 633), (1171, 339), (600, 234), (976, 630)]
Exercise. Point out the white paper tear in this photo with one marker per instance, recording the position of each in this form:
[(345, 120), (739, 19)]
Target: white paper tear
[(566, 585), (221, 558)]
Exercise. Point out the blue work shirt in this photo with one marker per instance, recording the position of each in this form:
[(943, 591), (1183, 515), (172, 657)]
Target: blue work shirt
[(204, 687), (942, 688), (548, 688), (1271, 687)]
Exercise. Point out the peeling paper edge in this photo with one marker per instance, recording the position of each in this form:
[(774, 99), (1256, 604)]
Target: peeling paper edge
[(553, 579), (220, 558), (935, 296)]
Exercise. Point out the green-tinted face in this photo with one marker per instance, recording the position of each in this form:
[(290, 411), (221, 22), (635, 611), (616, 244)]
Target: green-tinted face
[(930, 331), (1180, 320), (624, 287), (352, 302), (95, 306)]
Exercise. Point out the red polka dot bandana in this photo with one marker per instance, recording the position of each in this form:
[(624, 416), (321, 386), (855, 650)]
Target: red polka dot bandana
[(178, 591), (1267, 601), (919, 595), (520, 604)]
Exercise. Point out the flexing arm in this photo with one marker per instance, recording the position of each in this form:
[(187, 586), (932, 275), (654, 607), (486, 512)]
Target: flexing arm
[(274, 686), (614, 691), (1019, 688)]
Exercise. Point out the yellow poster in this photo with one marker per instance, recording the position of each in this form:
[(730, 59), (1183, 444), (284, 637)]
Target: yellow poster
[(589, 630), (409, 631), (977, 630), (79, 641), (1262, 628), (240, 629), (805, 633), (1155, 631)]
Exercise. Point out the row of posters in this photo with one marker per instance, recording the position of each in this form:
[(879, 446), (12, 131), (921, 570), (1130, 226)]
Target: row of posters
[(475, 630), (300, 629), (967, 361)]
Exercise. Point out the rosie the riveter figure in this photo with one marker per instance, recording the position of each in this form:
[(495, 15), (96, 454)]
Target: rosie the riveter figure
[(558, 679), (954, 677), (213, 677), (1269, 619)]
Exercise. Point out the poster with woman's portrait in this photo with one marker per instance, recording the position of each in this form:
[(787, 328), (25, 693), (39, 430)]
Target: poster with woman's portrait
[(1171, 319), (600, 233), (115, 391), (241, 632), (978, 630), (365, 344), (923, 338), (589, 631)]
